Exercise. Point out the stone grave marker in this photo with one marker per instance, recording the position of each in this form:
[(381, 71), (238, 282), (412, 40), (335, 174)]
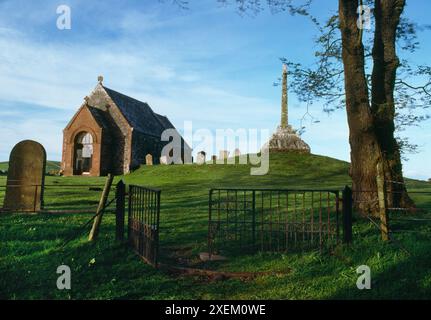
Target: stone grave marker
[(26, 177), (163, 160), (214, 159), (149, 160), (201, 157), (223, 154), (237, 152)]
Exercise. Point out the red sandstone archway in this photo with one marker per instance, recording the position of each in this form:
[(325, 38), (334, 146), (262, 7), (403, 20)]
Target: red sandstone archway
[(83, 149)]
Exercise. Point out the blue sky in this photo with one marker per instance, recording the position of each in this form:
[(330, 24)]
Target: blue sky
[(207, 64)]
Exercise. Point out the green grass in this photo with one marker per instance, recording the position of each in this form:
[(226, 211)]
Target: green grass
[(30, 244), (50, 166)]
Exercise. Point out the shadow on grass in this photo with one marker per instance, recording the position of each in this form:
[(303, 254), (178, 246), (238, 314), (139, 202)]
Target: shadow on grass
[(410, 279)]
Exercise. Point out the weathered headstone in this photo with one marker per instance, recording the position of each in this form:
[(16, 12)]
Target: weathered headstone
[(163, 160), (149, 160), (201, 157), (26, 177), (223, 154), (214, 158), (237, 152)]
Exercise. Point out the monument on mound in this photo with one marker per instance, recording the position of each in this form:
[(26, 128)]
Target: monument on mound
[(286, 139)]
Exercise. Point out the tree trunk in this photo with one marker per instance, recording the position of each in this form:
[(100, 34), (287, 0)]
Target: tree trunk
[(371, 128), (385, 64)]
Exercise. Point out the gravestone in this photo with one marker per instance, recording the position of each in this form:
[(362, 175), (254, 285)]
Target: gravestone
[(214, 159), (237, 152), (163, 160), (223, 154), (26, 177), (201, 157), (149, 160)]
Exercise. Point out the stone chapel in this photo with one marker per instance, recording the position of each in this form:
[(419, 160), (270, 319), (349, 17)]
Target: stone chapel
[(113, 133)]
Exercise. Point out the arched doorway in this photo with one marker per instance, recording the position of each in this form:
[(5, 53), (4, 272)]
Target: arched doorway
[(83, 153)]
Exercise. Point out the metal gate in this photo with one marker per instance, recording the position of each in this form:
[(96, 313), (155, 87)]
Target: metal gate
[(276, 220), (143, 222)]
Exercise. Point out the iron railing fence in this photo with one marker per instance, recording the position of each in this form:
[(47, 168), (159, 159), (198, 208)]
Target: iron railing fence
[(143, 222), (277, 220)]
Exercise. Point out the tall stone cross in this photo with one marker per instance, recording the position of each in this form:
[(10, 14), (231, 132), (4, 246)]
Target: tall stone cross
[(284, 114)]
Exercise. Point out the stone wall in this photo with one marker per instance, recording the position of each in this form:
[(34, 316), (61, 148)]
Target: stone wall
[(144, 144), (122, 137), (106, 160), (141, 146)]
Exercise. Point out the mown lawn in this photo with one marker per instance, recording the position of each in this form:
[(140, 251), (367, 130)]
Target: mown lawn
[(30, 245)]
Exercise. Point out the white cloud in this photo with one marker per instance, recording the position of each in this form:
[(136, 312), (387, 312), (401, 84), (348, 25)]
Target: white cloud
[(45, 131), (58, 75)]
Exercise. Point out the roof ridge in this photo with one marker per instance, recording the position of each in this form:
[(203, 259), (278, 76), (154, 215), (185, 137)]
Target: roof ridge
[(159, 121), (129, 97), (160, 115)]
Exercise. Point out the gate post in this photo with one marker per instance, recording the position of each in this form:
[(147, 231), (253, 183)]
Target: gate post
[(156, 258), (347, 214), (210, 236), (120, 210), (129, 215), (253, 225)]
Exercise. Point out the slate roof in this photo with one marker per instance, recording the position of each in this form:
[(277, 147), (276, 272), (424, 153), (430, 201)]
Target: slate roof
[(100, 117), (165, 121), (168, 125), (139, 114)]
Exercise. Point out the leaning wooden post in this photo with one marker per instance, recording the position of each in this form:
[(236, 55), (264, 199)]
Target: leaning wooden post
[(210, 235), (120, 209), (102, 203), (347, 215), (383, 212)]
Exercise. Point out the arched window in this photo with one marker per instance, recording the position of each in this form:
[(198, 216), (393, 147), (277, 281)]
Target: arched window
[(83, 153)]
